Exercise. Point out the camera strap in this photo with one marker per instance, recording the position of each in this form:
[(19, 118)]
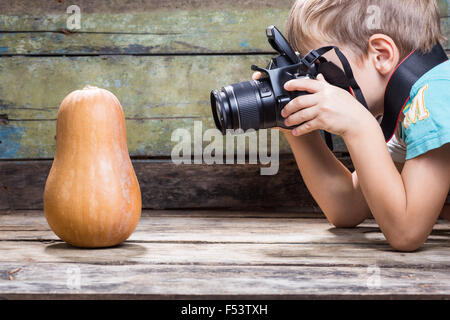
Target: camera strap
[(398, 89), (336, 73)]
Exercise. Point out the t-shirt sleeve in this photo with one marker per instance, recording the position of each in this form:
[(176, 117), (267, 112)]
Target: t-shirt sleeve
[(426, 125)]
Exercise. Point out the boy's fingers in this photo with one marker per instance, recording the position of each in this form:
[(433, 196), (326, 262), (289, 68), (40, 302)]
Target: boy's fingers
[(306, 128), (312, 86), (257, 75), (302, 116), (320, 77), (299, 103)]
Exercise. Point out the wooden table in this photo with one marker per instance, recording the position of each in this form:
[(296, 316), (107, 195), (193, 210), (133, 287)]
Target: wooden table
[(210, 254), (161, 59)]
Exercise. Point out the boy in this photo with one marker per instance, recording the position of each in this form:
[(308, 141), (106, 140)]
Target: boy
[(405, 183)]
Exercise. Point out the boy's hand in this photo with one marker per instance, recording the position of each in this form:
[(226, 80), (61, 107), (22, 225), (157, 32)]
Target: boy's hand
[(326, 108)]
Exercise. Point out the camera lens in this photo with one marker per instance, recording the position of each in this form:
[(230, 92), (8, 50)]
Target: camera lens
[(243, 106), (220, 108)]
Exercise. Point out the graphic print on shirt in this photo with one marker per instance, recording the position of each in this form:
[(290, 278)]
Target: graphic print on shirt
[(416, 111)]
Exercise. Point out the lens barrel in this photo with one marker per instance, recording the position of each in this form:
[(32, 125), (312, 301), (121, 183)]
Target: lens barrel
[(243, 106)]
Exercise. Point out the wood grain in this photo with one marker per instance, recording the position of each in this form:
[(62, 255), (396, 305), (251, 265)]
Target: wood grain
[(158, 95), (165, 185), (228, 254), (197, 257), (49, 280), (223, 226), (23, 7), (156, 88), (232, 30), (146, 27)]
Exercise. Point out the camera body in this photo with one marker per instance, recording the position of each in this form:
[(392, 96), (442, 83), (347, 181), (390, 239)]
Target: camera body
[(257, 104)]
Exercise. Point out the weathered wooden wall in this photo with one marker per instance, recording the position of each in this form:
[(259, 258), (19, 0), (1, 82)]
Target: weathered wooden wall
[(161, 59), (166, 186)]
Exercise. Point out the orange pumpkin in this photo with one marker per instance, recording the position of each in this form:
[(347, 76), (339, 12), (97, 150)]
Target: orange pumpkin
[(92, 197)]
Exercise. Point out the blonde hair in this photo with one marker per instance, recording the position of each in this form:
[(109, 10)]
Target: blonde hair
[(412, 24)]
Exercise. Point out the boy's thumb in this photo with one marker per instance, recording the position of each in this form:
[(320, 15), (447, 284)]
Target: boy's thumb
[(320, 77)]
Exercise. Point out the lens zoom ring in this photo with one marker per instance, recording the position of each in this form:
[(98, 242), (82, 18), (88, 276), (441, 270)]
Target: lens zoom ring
[(248, 105)]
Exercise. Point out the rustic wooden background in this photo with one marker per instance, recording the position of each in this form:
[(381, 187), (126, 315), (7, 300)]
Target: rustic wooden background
[(161, 59)]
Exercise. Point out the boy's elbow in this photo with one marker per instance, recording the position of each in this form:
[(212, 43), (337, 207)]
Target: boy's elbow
[(407, 241), (344, 221), (343, 224)]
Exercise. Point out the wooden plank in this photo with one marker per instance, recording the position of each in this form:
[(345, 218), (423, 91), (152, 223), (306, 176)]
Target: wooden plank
[(228, 254), (30, 215), (59, 43), (22, 7), (227, 228), (224, 241), (229, 257), (146, 27), (148, 88), (241, 39), (179, 32), (17, 227), (143, 27), (80, 44), (147, 138), (165, 185), (48, 280), (55, 8)]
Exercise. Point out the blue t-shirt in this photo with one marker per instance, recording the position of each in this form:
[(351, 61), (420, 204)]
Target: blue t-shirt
[(426, 125)]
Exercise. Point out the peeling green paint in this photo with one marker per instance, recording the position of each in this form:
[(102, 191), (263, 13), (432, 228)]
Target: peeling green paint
[(10, 138), (36, 139), (176, 33), (33, 88), (161, 31)]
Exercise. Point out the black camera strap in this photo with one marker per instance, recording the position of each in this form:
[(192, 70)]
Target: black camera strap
[(315, 55), (408, 72)]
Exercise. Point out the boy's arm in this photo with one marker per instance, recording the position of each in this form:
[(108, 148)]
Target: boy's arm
[(406, 205), (332, 185)]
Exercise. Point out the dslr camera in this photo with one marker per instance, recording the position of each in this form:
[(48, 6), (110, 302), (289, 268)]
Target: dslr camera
[(257, 104)]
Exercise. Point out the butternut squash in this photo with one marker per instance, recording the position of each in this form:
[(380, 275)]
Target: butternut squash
[(92, 197)]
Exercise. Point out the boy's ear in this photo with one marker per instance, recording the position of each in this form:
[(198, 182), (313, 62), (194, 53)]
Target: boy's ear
[(383, 53)]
